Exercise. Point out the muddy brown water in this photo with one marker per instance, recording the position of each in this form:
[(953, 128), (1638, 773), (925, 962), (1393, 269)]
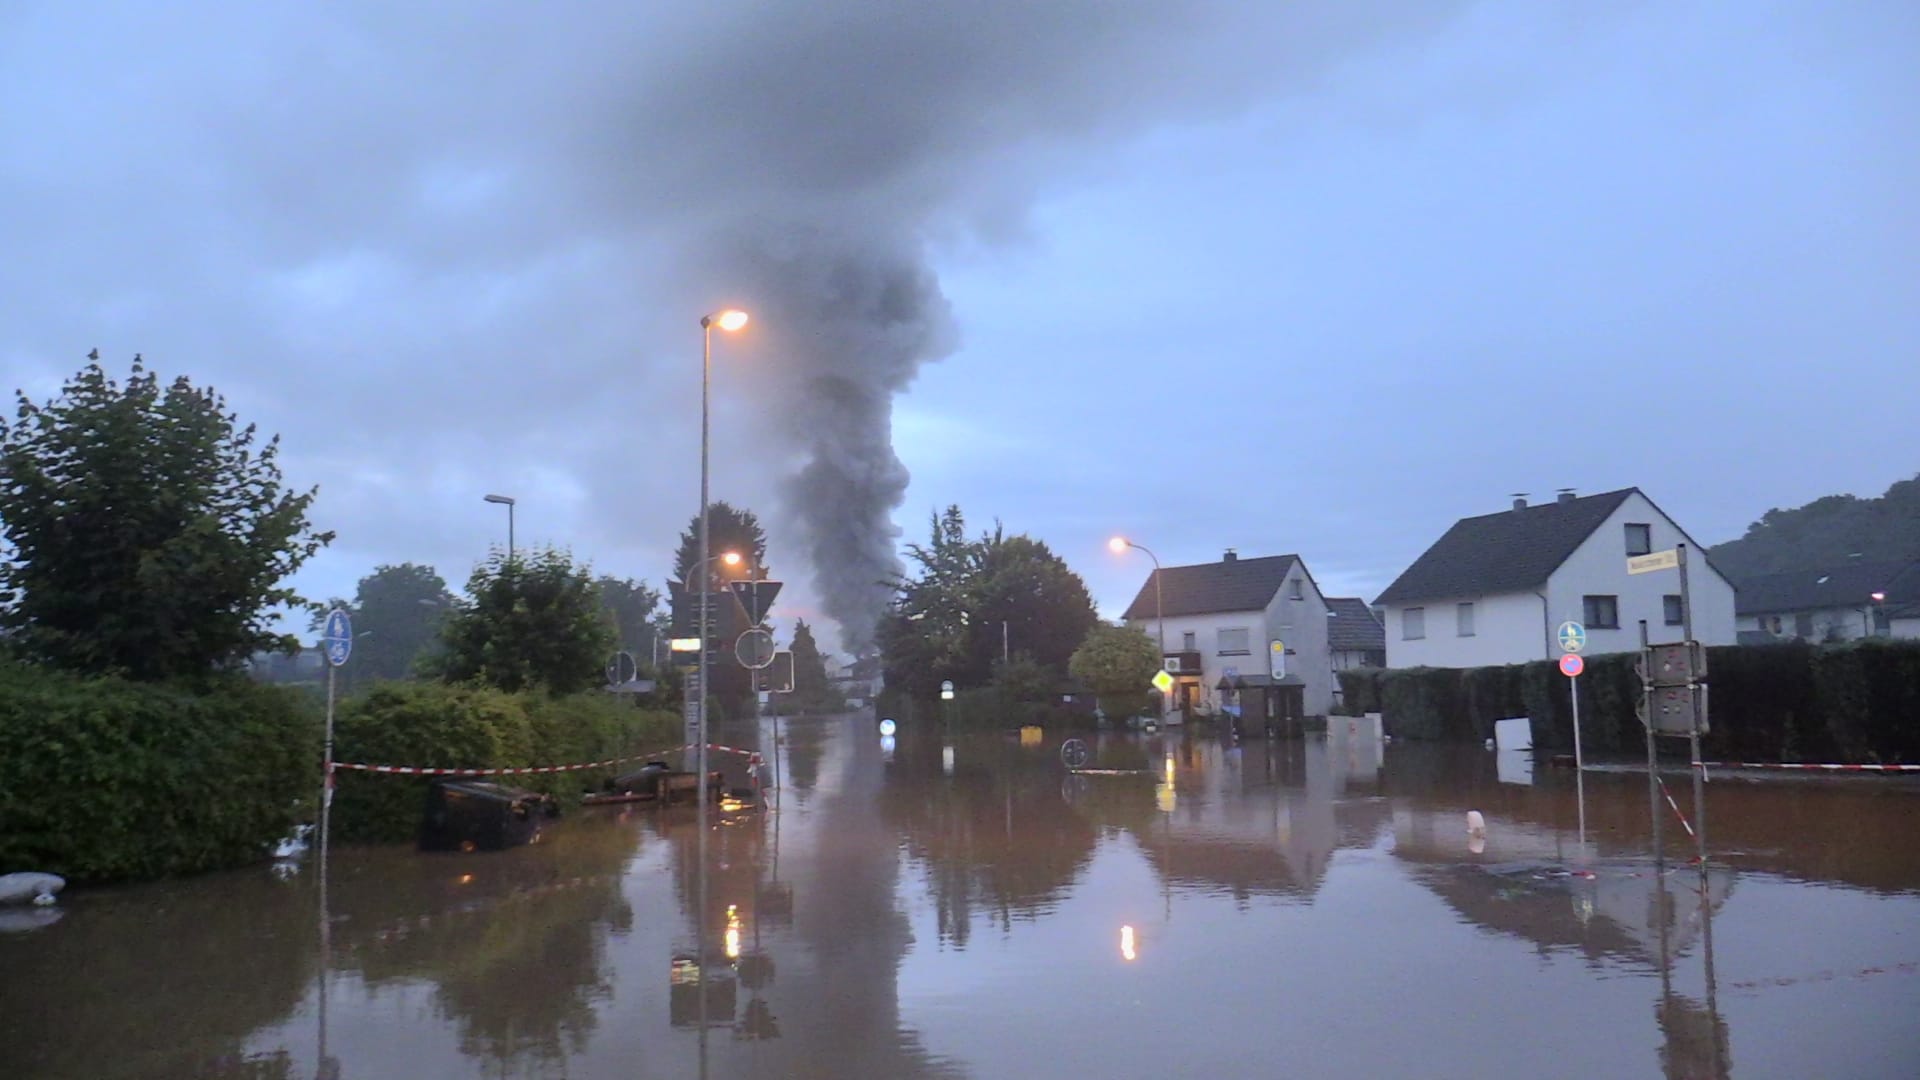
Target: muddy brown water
[(962, 907)]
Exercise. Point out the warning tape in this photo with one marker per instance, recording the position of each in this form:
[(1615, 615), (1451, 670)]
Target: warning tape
[(1810, 767), (1676, 808), (753, 757)]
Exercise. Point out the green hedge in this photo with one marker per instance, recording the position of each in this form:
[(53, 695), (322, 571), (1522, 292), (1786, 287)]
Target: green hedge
[(435, 724), (1855, 702), (103, 779)]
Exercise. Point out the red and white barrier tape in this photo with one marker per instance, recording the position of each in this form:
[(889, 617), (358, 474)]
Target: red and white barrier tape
[(753, 759), (1794, 765)]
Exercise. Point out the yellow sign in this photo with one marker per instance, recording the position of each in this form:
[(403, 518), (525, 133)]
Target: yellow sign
[(1031, 735), (1659, 560), (1162, 681)]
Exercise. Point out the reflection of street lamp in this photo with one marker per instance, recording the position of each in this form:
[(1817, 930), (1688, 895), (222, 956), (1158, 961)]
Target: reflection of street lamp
[(729, 320), (506, 501)]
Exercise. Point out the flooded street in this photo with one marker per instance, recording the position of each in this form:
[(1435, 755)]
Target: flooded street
[(968, 909)]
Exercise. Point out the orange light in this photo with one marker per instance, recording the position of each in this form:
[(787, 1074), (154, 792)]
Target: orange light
[(731, 558), (731, 319)]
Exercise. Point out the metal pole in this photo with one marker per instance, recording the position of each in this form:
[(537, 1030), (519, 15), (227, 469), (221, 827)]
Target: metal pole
[(1579, 767), (326, 765), (1699, 770), (1653, 765), (510, 547), (700, 721), (1006, 656)]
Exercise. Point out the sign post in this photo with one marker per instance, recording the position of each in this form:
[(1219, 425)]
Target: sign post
[(1573, 638), (338, 645)]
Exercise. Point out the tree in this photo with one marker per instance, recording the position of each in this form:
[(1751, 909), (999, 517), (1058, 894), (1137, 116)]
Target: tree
[(728, 529), (1827, 532), (812, 692), (975, 599), (630, 606), (531, 621), (1117, 663), (149, 534), (397, 612)]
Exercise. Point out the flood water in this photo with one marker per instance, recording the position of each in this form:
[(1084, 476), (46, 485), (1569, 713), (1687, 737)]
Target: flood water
[(963, 907)]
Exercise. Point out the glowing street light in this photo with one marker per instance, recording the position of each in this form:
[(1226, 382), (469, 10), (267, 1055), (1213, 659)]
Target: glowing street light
[(1119, 545), (730, 320)]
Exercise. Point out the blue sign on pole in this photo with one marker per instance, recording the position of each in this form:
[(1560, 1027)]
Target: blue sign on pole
[(339, 637), (1573, 636)]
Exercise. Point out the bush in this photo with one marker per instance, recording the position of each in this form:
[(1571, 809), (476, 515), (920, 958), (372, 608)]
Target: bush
[(102, 779), (449, 726), (1359, 690)]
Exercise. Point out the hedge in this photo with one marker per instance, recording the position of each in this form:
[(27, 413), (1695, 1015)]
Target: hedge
[(1853, 702), (436, 724), (102, 779)]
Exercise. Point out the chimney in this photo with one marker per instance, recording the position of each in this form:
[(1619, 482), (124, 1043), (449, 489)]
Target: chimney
[(1230, 556), (1519, 500), (1566, 495)]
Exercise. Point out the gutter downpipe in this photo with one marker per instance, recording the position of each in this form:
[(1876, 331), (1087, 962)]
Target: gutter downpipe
[(1546, 626)]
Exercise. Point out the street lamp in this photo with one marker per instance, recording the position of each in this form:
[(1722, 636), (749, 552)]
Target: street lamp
[(506, 501), (1119, 545), (729, 320), (1873, 624)]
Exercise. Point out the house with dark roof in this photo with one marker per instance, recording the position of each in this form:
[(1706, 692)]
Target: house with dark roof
[(1246, 633), (1840, 603), (1494, 588), (1355, 635)]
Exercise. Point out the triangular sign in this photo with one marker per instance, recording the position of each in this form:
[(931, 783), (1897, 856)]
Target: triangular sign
[(756, 597)]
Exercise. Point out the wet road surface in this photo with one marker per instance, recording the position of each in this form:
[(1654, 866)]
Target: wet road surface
[(963, 907)]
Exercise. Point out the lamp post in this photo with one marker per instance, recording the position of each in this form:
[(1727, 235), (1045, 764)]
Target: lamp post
[(729, 320), (506, 501), (1119, 545), (1873, 623)]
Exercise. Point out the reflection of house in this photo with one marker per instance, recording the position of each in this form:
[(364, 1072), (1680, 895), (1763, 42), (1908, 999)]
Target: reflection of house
[(1221, 620), (1494, 587), (1837, 604), (1355, 635)]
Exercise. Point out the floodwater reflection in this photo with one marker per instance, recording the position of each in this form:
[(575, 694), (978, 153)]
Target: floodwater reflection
[(958, 905)]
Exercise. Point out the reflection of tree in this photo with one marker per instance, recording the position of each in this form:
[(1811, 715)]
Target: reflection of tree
[(160, 980), (514, 942), (994, 835), (805, 744)]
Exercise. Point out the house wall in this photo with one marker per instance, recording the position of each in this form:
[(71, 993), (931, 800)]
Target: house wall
[(1904, 628), (1348, 659), (1506, 630), (1300, 624), (1599, 566)]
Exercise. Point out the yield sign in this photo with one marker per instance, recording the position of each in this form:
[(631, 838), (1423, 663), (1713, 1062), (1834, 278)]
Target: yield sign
[(756, 597)]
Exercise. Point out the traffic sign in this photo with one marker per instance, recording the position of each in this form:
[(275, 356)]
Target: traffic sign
[(621, 669), (946, 690), (778, 678), (1277, 651), (1573, 636), (756, 597), (1571, 665), (1654, 560), (339, 637), (1162, 681), (754, 649)]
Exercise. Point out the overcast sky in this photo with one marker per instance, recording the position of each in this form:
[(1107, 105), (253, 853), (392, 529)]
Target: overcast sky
[(1302, 277)]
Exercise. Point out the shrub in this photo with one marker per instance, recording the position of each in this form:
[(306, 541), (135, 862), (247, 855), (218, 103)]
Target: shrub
[(1359, 690), (102, 779), (460, 726)]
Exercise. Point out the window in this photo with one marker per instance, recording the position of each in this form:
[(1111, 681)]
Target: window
[(1463, 619), (1602, 612), (1233, 642), (1803, 625), (1671, 602), (1413, 624), (1298, 590), (1639, 539), (1187, 642)]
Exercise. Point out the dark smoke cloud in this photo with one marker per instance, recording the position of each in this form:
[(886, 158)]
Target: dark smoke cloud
[(823, 143)]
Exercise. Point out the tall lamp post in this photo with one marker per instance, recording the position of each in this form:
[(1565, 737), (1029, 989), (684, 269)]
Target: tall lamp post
[(506, 501), (1119, 545), (1873, 621), (729, 320)]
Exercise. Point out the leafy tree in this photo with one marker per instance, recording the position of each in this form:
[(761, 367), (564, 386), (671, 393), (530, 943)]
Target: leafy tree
[(531, 621), (728, 529), (973, 598), (149, 534), (630, 608), (397, 612), (812, 692), (1828, 532), (1116, 663)]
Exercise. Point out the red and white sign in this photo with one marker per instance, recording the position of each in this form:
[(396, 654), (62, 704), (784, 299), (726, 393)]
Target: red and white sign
[(1571, 665)]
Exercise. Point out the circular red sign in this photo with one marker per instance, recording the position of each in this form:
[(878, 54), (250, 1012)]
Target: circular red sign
[(1571, 665)]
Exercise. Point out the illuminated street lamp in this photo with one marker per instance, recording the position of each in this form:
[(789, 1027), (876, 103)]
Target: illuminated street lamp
[(1873, 624), (729, 320), (1119, 545)]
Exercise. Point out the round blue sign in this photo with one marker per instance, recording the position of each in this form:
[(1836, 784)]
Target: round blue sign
[(338, 639)]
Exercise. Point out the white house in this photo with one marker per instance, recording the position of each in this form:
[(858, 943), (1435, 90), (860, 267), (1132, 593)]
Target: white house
[(1838, 604), (1493, 589), (1220, 621)]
